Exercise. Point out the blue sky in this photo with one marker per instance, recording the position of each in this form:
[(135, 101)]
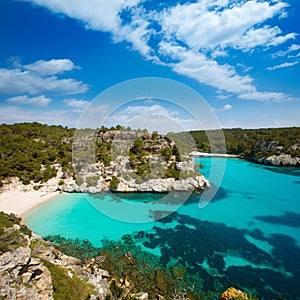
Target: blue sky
[(242, 56)]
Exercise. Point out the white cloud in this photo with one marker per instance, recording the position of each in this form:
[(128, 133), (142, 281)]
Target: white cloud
[(222, 96), (36, 101), (202, 27), (292, 48), (15, 114), (284, 65), (154, 117), (197, 66), (218, 53), (136, 33), (17, 81), (266, 96), (265, 36), (189, 33), (148, 110), (50, 67), (227, 107), (95, 14), (76, 105)]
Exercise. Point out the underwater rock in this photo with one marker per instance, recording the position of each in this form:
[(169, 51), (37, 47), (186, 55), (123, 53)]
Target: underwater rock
[(234, 294), (139, 296), (178, 271), (99, 259)]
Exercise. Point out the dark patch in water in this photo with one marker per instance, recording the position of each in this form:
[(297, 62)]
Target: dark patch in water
[(258, 235), (250, 197), (297, 182), (290, 219), (284, 170), (160, 215), (140, 197), (221, 194), (217, 262), (212, 242)]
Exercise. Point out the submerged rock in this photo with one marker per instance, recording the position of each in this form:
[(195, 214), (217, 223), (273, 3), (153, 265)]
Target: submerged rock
[(234, 294)]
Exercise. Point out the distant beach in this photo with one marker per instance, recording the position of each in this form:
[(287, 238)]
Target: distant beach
[(205, 154)]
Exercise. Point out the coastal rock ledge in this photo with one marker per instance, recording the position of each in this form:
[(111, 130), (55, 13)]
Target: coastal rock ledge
[(279, 160), (152, 185), (164, 185)]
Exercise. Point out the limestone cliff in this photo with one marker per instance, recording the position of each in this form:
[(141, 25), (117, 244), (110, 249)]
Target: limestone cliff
[(272, 153)]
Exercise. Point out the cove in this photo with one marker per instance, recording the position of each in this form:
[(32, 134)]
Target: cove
[(247, 236)]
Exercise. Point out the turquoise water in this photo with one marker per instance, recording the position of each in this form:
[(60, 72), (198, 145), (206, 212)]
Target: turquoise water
[(247, 236)]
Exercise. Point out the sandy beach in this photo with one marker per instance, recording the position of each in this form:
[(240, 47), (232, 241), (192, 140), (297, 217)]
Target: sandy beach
[(20, 202)]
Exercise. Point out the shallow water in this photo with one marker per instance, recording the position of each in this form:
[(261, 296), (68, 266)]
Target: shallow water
[(247, 236)]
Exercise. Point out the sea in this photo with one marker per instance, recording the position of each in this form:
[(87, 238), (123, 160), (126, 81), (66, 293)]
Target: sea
[(247, 235)]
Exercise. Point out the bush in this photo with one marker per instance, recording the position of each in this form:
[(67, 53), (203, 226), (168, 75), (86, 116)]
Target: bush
[(66, 288), (172, 171), (92, 180), (114, 183), (11, 239), (79, 180)]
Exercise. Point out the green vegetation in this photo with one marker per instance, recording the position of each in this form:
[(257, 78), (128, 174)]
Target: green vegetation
[(114, 183), (166, 152), (66, 288), (27, 150), (251, 142), (11, 238), (77, 248), (103, 153), (172, 171), (124, 260), (92, 180), (179, 271), (33, 152), (145, 148)]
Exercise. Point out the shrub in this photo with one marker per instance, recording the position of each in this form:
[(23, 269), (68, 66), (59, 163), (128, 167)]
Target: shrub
[(66, 288), (114, 183), (92, 180)]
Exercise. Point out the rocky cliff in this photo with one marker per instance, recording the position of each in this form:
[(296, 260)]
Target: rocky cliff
[(272, 153), (34, 269), (128, 161), (122, 161)]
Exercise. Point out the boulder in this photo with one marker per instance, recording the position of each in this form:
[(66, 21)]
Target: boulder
[(13, 259), (69, 260)]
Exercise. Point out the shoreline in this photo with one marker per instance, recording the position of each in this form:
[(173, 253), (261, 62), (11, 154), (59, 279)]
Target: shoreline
[(206, 154), (21, 202)]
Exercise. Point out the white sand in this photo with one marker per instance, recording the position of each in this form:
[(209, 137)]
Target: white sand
[(20, 202)]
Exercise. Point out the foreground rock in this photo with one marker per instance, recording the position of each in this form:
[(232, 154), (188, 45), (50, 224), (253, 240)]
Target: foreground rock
[(26, 261), (34, 269)]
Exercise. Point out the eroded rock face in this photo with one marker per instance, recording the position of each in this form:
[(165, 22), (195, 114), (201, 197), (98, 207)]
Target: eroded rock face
[(13, 259), (279, 160), (23, 277), (164, 185)]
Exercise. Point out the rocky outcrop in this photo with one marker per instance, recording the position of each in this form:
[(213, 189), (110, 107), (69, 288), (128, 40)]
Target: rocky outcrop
[(27, 272), (151, 168), (24, 277), (272, 153), (164, 185), (234, 294), (279, 160)]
